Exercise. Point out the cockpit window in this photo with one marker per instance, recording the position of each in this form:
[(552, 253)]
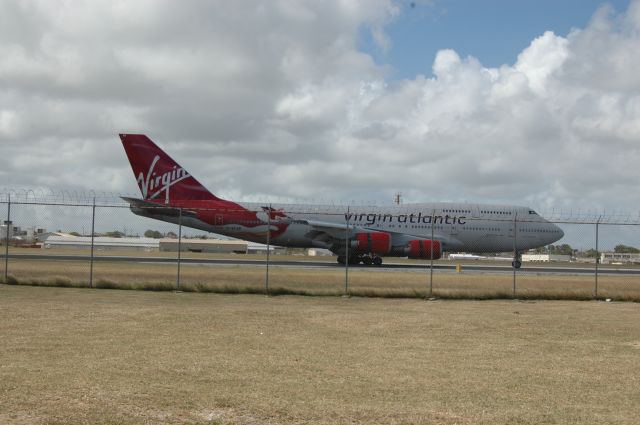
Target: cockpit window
[(533, 212)]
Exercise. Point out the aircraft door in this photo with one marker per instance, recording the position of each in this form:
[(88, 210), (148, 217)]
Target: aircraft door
[(511, 224)]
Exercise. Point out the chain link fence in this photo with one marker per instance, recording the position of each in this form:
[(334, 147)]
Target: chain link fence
[(94, 240)]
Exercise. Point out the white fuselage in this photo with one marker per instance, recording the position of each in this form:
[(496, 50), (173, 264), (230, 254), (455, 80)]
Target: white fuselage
[(459, 227)]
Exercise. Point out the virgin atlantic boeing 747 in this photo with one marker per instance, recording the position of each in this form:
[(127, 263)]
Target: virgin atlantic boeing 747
[(355, 234)]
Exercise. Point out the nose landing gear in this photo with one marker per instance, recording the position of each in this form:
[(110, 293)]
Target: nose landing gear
[(517, 260)]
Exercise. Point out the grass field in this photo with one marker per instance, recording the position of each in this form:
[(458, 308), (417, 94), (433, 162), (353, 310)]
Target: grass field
[(322, 281), (80, 356)]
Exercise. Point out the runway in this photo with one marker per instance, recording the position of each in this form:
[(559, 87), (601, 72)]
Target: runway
[(330, 263)]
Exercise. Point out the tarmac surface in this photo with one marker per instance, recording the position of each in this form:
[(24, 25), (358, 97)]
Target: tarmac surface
[(476, 266)]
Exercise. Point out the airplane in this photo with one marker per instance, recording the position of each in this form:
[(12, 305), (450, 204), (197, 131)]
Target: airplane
[(355, 234)]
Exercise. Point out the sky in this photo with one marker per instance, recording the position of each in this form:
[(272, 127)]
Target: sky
[(531, 103), (493, 31)]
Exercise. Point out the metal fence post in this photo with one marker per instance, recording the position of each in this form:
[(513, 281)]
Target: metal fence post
[(346, 255), (266, 278), (93, 231), (179, 248), (595, 291), (6, 248), (515, 250), (433, 218)]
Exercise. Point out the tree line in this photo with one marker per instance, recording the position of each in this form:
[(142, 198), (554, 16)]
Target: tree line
[(566, 249)]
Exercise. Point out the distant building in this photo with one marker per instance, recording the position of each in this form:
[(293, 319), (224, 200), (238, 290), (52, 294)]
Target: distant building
[(19, 236), (100, 243), (544, 258), (41, 235), (259, 248), (318, 252), (204, 245), (619, 257), (8, 227), (103, 243), (589, 260), (463, 256)]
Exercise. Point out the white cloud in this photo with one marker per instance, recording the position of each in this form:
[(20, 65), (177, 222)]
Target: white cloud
[(274, 99), (544, 57)]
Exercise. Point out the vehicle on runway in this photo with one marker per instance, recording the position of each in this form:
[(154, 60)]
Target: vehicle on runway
[(355, 234)]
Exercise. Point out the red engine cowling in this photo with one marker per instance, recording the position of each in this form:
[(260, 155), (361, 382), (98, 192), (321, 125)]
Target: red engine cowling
[(424, 249), (374, 242)]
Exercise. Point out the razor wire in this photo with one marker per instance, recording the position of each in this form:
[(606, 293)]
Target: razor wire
[(61, 196), (78, 198)]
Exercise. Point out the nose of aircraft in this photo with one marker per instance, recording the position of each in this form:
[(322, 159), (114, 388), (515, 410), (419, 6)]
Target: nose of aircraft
[(559, 233)]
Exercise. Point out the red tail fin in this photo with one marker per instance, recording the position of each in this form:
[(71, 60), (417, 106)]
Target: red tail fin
[(159, 176)]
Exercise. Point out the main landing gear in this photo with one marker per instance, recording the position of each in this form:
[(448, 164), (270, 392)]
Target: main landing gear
[(366, 259)]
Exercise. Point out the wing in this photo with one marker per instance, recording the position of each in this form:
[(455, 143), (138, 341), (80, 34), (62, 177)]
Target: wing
[(148, 208), (334, 234)]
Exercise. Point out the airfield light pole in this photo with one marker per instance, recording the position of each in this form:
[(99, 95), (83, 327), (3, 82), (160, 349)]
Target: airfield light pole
[(6, 247), (433, 217), (515, 250), (266, 279), (179, 247), (93, 231), (595, 291), (346, 255)]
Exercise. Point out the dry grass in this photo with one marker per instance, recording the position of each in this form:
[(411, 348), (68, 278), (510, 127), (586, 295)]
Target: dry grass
[(322, 281), (76, 356)]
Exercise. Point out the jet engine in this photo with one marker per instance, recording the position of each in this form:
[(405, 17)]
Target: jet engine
[(373, 243), (424, 249)]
